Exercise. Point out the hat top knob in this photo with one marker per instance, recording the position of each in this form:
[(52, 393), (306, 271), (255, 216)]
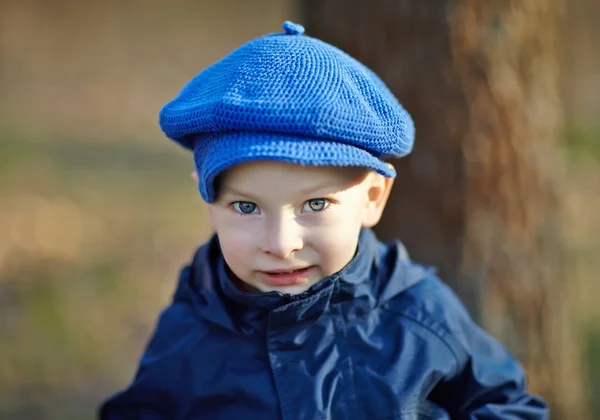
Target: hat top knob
[(292, 28)]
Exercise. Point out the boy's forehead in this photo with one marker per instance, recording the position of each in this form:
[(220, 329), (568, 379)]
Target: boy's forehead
[(259, 174)]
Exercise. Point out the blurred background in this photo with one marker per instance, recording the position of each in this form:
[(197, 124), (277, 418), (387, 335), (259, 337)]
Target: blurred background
[(97, 209)]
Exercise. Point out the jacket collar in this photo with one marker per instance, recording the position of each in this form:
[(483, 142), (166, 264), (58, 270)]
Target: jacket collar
[(376, 274)]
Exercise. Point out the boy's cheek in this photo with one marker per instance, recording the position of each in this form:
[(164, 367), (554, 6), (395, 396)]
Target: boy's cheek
[(238, 256), (237, 242), (336, 249)]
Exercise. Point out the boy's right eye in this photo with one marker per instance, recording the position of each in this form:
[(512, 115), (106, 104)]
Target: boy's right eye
[(245, 207)]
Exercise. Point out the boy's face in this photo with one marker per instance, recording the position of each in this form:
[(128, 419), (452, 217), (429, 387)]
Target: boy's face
[(285, 227)]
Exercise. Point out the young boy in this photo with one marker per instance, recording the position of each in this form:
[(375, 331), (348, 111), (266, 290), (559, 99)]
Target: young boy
[(294, 310)]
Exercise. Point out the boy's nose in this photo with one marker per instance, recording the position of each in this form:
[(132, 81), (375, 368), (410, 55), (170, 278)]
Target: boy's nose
[(282, 239)]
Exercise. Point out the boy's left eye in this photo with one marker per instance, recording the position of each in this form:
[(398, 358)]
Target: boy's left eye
[(316, 204)]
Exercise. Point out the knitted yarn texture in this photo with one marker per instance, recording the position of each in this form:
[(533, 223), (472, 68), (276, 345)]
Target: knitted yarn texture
[(287, 97)]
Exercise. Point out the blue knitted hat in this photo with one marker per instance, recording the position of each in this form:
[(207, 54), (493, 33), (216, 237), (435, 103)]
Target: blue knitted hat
[(287, 97)]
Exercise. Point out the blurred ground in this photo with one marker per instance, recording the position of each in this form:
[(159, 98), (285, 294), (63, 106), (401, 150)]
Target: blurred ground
[(92, 239), (97, 211)]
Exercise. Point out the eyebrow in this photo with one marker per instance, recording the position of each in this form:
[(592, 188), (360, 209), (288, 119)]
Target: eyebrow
[(340, 186), (319, 187), (231, 190), (304, 191)]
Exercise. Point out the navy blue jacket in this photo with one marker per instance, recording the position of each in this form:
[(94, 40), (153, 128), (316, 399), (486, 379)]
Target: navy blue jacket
[(382, 339)]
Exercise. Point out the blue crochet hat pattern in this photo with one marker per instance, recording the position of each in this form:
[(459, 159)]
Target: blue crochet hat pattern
[(287, 97)]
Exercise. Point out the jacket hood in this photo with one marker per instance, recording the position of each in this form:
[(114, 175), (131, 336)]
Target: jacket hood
[(377, 273)]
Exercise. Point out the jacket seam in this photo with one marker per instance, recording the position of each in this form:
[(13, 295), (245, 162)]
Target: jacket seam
[(436, 330)]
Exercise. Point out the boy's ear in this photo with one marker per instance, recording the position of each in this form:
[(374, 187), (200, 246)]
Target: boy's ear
[(211, 219), (194, 176), (379, 189)]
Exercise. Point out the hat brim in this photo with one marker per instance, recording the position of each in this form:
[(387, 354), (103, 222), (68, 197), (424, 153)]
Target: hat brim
[(216, 153)]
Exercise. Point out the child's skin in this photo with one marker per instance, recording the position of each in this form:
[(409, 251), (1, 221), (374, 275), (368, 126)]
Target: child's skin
[(273, 216)]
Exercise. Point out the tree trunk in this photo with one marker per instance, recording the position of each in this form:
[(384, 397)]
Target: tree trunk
[(477, 198)]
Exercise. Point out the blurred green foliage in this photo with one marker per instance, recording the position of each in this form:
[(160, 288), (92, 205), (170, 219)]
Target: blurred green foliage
[(592, 353), (582, 143), (582, 152)]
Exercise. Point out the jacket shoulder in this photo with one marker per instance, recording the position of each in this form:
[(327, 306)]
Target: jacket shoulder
[(433, 305), (178, 328)]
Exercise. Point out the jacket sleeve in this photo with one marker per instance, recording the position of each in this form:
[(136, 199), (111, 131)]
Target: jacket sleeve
[(488, 383), (159, 384)]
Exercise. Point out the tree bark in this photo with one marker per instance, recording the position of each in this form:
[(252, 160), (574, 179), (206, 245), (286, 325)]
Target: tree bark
[(478, 196)]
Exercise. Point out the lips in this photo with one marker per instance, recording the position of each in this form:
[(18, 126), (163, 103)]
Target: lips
[(287, 277)]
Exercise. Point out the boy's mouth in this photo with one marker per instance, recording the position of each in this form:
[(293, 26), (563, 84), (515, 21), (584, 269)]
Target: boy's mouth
[(287, 277)]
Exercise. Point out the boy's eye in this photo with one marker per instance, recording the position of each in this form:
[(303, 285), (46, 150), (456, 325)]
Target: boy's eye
[(245, 207), (316, 204)]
